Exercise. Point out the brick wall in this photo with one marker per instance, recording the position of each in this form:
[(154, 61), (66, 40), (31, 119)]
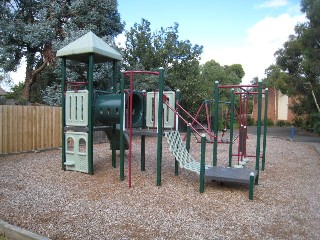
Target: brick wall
[(273, 107)]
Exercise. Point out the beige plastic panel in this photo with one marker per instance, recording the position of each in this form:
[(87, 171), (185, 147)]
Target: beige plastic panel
[(77, 151), (77, 108), (152, 109)]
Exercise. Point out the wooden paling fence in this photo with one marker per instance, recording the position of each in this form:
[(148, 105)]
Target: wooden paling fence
[(27, 128)]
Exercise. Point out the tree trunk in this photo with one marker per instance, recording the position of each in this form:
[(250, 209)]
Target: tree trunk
[(31, 77), (27, 87)]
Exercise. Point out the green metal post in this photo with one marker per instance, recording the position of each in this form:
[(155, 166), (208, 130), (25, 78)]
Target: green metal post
[(63, 89), (122, 109), (113, 146), (90, 115), (176, 163), (159, 143), (188, 137), (114, 76), (251, 187), (265, 126), (113, 138), (143, 137), (231, 126), (258, 129), (143, 153), (202, 162), (216, 122)]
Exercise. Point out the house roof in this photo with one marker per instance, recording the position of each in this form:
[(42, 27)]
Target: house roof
[(80, 49), (2, 92)]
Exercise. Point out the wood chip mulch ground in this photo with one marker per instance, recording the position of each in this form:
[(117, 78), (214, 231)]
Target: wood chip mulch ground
[(37, 195)]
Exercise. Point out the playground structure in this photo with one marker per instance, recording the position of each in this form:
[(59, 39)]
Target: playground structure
[(122, 113), (233, 173)]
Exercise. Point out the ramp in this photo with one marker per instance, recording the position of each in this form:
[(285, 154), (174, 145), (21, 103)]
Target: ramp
[(109, 133)]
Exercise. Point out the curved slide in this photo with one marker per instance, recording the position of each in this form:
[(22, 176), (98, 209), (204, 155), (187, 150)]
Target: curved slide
[(109, 132)]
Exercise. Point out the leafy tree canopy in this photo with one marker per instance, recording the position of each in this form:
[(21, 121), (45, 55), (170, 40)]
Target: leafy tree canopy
[(5, 77), (297, 68), (212, 71), (150, 50), (34, 30)]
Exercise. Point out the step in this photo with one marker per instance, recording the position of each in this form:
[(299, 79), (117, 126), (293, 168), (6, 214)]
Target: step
[(69, 163)]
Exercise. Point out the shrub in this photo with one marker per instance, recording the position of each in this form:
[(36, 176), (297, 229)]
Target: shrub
[(298, 121), (2, 100), (282, 123), (52, 95), (250, 121), (317, 128), (315, 122), (270, 122)]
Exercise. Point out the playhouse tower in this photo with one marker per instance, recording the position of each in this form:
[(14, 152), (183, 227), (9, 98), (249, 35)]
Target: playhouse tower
[(78, 114)]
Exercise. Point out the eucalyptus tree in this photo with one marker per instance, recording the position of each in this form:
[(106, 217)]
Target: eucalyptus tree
[(35, 29)]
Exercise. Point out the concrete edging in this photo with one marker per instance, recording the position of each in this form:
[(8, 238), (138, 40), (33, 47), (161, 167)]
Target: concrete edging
[(15, 233)]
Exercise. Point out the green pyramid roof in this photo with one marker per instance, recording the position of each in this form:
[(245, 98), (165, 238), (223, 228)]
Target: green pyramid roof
[(80, 49)]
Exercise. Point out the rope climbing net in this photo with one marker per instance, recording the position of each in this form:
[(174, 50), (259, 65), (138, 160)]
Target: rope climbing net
[(178, 149)]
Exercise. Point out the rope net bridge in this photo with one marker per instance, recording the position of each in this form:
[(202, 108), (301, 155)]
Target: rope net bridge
[(216, 173), (178, 149)]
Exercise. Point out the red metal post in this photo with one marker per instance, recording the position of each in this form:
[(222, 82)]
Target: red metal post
[(131, 76), (208, 117)]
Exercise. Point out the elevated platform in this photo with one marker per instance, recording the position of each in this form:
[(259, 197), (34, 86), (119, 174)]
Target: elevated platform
[(233, 175), (142, 132)]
